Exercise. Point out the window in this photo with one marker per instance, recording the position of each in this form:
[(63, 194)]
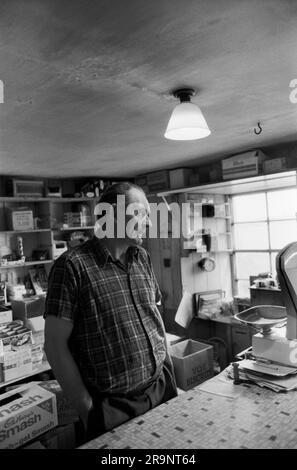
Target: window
[(263, 223)]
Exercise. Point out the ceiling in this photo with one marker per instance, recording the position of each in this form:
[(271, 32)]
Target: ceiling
[(87, 83)]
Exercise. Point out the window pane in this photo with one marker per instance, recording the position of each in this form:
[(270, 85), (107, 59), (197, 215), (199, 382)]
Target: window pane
[(282, 233), (249, 207), (282, 204), (243, 288), (273, 268), (251, 264), (251, 236)]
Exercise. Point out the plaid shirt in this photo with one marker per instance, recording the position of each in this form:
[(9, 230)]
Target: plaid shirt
[(118, 338)]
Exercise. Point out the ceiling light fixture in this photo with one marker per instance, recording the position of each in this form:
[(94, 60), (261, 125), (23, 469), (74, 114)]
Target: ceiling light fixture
[(186, 121)]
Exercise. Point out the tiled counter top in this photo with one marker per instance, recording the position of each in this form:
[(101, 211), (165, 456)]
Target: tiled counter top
[(243, 416)]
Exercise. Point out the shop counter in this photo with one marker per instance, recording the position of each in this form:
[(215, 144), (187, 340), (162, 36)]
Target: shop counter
[(215, 415)]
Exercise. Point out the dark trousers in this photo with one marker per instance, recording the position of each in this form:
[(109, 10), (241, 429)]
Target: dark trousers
[(110, 411)]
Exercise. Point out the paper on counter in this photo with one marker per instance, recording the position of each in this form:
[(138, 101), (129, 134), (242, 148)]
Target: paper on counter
[(220, 388), (276, 370), (185, 314)]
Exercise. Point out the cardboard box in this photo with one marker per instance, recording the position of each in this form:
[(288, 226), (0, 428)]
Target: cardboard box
[(173, 339), (38, 337), (275, 164), (66, 413), (12, 340), (141, 180), (243, 165), (15, 364), (28, 188), (36, 324), (5, 314), (215, 172), (30, 307), (262, 296), (22, 220), (194, 179), (25, 413), (158, 180), (3, 290), (179, 177), (37, 356), (193, 363)]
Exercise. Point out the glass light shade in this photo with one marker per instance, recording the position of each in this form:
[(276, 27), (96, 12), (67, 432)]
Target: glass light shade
[(186, 123)]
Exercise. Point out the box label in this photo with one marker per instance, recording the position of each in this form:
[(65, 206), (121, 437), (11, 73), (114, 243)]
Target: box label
[(200, 374), (27, 417), (193, 363)]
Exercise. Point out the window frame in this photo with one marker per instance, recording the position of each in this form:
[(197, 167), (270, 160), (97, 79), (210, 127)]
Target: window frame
[(267, 221)]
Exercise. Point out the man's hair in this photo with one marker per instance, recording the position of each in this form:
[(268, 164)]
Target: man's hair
[(122, 188)]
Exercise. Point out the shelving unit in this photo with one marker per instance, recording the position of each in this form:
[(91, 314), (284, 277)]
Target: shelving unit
[(48, 227), (62, 206), (37, 233), (48, 220), (66, 211), (216, 226)]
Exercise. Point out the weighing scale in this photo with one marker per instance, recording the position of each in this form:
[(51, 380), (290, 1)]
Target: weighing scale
[(274, 345)]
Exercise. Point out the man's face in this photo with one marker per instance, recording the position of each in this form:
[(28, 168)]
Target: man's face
[(137, 218)]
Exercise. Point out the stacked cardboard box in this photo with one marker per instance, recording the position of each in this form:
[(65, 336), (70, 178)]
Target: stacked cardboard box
[(66, 413), (243, 165), (5, 314), (15, 351), (25, 413), (179, 177)]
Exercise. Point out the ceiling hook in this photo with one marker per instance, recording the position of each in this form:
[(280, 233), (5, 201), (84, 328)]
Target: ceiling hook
[(260, 129)]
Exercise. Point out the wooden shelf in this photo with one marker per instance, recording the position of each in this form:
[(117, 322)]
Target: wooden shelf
[(46, 199), (35, 230), (213, 251), (263, 182), (72, 199), (27, 263), (87, 227), (42, 368), (208, 252), (23, 199), (222, 217)]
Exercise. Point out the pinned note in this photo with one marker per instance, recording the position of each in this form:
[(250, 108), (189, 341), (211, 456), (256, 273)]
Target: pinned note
[(185, 313)]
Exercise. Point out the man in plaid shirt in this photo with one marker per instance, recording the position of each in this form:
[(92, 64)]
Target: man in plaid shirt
[(104, 336)]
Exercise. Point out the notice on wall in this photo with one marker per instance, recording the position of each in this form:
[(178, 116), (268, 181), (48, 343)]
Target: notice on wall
[(184, 314)]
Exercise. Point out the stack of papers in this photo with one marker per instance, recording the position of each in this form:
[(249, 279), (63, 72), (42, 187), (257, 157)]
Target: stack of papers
[(274, 376)]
